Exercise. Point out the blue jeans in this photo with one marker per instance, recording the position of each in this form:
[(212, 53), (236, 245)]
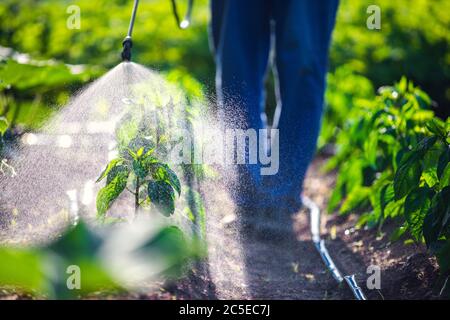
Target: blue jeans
[(299, 32)]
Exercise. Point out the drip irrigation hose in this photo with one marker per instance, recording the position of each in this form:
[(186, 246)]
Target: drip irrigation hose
[(182, 24), (314, 213)]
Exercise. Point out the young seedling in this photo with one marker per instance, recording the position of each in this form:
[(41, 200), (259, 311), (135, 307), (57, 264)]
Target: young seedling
[(144, 176)]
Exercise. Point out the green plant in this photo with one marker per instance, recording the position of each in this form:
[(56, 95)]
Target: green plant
[(151, 181), (30, 90), (405, 45), (3, 127), (393, 163), (43, 271), (38, 28), (345, 89)]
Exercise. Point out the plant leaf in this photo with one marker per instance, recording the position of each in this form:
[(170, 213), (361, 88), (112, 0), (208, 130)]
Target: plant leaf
[(445, 178), (140, 169), (173, 180), (108, 168), (162, 196), (357, 198), (140, 152), (407, 177), (111, 191), (386, 196), (3, 125), (132, 154), (443, 161), (438, 217), (430, 177), (437, 127), (417, 204)]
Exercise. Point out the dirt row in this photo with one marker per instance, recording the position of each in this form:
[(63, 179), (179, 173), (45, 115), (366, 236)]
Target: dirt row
[(292, 269), (242, 266)]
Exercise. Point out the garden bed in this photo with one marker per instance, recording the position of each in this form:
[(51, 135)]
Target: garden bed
[(407, 271), (297, 272)]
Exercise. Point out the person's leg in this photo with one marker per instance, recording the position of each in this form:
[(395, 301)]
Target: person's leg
[(241, 38), (302, 35)]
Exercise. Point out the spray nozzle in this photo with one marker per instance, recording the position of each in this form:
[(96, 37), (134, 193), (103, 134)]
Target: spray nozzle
[(126, 52), (127, 43)]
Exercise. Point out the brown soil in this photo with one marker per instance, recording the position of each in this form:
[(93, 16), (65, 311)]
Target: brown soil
[(292, 269), (407, 271)]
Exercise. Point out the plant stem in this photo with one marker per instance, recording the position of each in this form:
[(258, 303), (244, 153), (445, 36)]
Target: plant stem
[(136, 197)]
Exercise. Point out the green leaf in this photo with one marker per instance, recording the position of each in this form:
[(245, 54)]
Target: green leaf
[(430, 164), (408, 174), (357, 198), (149, 163), (445, 178), (370, 148), (164, 173), (94, 277), (108, 168), (3, 125), (425, 144), (386, 196), (173, 180), (140, 169), (437, 127), (22, 268), (111, 191), (368, 219), (407, 177), (335, 199), (132, 154), (162, 196), (172, 249), (149, 152), (78, 242), (438, 217), (430, 177), (79, 246), (119, 169), (140, 152), (402, 85), (444, 160), (393, 208), (417, 204)]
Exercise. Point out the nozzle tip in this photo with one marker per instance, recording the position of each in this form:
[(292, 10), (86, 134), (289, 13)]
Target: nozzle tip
[(126, 52)]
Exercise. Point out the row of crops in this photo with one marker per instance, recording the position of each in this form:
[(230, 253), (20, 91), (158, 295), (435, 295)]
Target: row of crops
[(404, 46), (392, 163)]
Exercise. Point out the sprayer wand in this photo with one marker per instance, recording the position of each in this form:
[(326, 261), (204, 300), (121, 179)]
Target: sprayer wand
[(127, 43), (182, 24)]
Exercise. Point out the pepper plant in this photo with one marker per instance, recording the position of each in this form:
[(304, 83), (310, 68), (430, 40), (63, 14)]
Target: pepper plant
[(152, 182), (393, 163), (142, 137)]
